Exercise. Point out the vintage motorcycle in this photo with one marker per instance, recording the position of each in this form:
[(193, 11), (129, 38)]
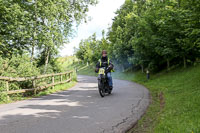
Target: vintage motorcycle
[(103, 82)]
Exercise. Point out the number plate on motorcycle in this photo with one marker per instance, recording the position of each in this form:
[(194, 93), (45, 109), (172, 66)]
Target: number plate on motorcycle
[(101, 71)]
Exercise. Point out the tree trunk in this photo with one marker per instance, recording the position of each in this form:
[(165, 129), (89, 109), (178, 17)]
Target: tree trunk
[(34, 33), (46, 60), (184, 62), (123, 69), (32, 51), (179, 3), (142, 67), (168, 64)]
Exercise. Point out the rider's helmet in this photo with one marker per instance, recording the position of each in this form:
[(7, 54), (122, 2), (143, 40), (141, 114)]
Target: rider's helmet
[(104, 52)]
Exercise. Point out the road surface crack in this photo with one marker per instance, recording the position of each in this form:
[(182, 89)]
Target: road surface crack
[(134, 111)]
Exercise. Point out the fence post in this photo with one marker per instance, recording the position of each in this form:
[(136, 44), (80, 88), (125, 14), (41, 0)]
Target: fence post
[(66, 75), (7, 89), (34, 86), (7, 86), (70, 76), (61, 78), (53, 82)]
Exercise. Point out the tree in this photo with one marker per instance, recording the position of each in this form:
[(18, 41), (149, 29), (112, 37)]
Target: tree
[(38, 24)]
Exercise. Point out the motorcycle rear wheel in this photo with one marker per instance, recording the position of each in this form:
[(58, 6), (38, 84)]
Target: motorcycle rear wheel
[(110, 91), (101, 92)]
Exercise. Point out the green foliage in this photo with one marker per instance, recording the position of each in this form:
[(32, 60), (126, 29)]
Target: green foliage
[(20, 66), (32, 32), (3, 97), (90, 49), (150, 34), (86, 70), (67, 63), (27, 27), (17, 66)]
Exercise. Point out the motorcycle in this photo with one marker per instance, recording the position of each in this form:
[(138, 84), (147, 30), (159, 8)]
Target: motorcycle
[(103, 85)]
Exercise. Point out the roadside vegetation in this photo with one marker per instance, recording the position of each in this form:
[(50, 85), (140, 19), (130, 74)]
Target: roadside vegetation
[(161, 36), (24, 69), (31, 36), (175, 104), (153, 35)]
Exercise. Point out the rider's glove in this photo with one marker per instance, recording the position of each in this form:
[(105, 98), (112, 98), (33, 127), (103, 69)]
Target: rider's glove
[(107, 70), (110, 67), (97, 70)]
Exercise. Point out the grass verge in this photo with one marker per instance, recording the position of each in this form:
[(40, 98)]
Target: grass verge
[(175, 107), (86, 70)]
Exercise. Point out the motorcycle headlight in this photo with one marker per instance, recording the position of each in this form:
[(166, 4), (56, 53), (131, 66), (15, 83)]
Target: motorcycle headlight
[(103, 76)]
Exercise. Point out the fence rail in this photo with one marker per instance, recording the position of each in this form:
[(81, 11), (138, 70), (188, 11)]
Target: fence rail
[(63, 78)]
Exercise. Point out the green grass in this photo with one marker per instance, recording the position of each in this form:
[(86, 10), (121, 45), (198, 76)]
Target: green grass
[(175, 106), (67, 63), (181, 112), (86, 70)]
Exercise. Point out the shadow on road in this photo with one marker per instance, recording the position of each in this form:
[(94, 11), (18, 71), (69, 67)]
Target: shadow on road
[(80, 109), (72, 105)]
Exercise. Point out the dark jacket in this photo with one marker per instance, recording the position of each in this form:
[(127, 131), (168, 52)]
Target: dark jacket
[(104, 63)]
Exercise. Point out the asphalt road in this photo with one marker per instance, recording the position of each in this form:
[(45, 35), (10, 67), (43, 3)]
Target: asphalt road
[(78, 110)]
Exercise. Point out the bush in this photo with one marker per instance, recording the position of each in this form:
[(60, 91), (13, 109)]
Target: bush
[(3, 97), (17, 66)]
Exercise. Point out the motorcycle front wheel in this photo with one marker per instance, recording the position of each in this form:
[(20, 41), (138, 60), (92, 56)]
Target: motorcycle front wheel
[(101, 89)]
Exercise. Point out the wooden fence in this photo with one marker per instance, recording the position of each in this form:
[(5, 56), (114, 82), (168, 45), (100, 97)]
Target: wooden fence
[(36, 86)]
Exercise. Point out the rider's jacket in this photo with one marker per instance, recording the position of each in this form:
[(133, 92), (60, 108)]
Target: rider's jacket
[(105, 62)]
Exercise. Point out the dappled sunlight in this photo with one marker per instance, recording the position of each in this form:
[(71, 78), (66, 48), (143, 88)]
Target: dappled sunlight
[(78, 109), (81, 117), (61, 95), (27, 111), (60, 102), (42, 109), (87, 88)]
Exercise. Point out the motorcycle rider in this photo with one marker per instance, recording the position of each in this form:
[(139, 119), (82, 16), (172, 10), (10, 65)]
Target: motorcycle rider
[(106, 62)]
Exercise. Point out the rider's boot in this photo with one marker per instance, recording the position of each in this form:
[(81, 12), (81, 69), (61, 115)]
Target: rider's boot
[(111, 88)]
